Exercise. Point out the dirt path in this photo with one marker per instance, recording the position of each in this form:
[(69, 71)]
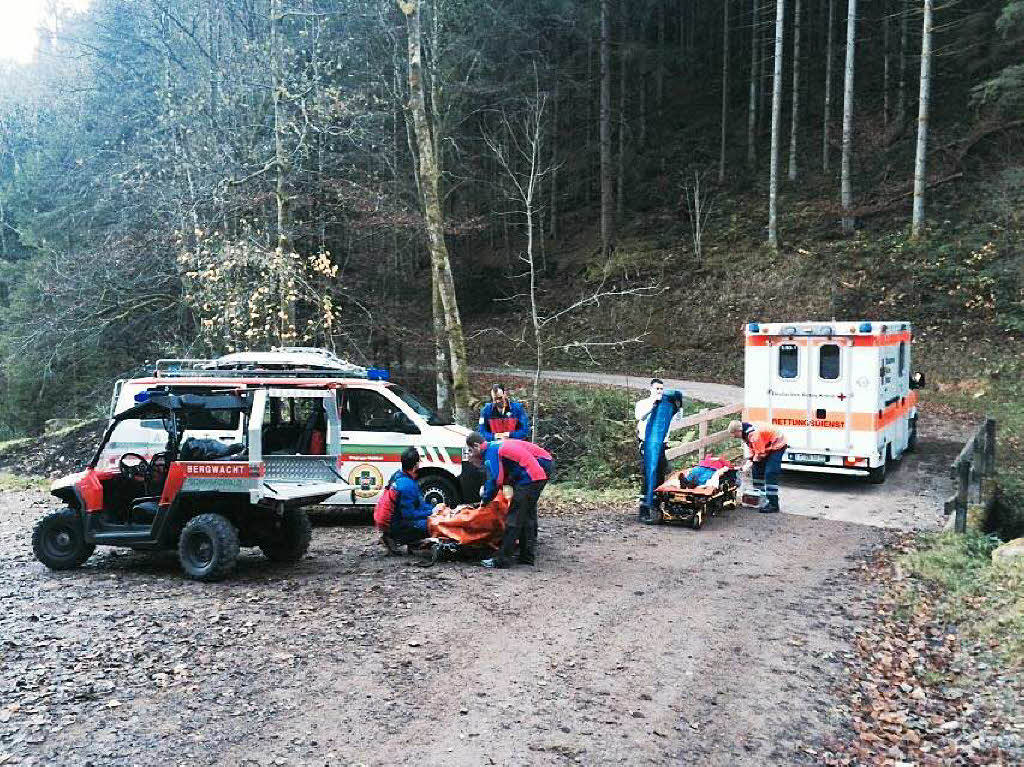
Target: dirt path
[(626, 645)]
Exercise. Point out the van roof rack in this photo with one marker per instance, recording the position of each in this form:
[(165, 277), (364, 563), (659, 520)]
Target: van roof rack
[(295, 361)]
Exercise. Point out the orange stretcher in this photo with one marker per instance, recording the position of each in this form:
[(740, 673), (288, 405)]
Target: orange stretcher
[(675, 502), (480, 527)]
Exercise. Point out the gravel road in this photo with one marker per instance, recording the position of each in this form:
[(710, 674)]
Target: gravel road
[(626, 645)]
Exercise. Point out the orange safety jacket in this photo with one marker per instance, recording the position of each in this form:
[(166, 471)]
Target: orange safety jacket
[(762, 439)]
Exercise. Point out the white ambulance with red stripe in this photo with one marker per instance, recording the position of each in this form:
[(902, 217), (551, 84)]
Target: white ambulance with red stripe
[(842, 392)]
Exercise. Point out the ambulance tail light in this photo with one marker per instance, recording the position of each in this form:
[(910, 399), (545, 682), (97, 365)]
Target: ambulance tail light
[(853, 461)]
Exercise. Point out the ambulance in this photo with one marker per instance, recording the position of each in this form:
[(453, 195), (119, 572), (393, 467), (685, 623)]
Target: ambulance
[(841, 392), (379, 419)]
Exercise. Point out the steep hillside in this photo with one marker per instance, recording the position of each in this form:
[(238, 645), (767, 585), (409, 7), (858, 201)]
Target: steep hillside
[(961, 285)]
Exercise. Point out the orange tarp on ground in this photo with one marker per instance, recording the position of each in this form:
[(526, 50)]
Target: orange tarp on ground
[(469, 526)]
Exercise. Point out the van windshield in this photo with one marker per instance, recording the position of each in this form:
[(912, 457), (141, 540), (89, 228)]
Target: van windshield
[(422, 410)]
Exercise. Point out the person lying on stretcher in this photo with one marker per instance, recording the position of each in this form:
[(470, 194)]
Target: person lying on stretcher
[(708, 473)]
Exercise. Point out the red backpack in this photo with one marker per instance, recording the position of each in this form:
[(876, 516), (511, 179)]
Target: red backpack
[(385, 507)]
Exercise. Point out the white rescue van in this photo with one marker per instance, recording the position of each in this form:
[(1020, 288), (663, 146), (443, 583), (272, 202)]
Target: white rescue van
[(841, 392), (379, 419)]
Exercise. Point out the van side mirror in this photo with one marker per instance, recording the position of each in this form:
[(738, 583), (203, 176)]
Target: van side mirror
[(917, 380)]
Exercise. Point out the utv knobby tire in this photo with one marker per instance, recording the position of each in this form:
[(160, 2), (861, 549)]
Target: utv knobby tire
[(208, 547), (291, 540), (58, 540)]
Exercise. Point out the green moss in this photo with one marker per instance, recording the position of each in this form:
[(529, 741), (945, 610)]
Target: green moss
[(13, 482)]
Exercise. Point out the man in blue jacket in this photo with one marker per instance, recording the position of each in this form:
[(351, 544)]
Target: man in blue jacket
[(409, 519), (501, 418)]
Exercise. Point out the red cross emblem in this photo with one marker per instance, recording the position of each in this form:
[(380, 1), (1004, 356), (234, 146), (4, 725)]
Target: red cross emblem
[(842, 397)]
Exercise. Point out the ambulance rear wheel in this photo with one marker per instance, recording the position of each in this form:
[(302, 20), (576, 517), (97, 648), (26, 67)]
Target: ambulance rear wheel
[(876, 476), (911, 435)]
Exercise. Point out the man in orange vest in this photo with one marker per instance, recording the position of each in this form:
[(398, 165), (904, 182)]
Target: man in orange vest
[(767, 446)]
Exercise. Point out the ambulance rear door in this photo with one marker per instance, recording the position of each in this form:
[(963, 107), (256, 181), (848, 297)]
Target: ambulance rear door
[(787, 392), (829, 399)]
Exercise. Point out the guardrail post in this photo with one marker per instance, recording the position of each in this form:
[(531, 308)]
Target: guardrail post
[(702, 434), (962, 487)]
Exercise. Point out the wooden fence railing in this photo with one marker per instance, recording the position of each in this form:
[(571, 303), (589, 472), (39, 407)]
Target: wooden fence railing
[(975, 464), (701, 421)]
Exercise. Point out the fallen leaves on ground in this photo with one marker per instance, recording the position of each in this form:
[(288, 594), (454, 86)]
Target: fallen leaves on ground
[(917, 693)]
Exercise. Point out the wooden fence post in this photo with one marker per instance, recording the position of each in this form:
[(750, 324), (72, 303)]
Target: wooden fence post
[(990, 448), (702, 434), (962, 487)]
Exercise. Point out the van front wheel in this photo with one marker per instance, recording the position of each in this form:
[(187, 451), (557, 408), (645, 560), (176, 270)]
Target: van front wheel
[(437, 489)]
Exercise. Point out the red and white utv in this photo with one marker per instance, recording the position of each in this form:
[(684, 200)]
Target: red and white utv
[(204, 498)]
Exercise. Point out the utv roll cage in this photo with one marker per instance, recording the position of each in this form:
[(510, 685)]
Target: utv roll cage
[(174, 408)]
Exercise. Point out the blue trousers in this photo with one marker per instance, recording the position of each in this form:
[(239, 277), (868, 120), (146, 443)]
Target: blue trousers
[(766, 476)]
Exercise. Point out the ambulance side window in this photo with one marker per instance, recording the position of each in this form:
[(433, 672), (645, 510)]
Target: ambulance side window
[(789, 361), (903, 356), (828, 362)]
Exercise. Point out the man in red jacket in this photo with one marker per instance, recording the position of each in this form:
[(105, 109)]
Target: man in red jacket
[(525, 466)]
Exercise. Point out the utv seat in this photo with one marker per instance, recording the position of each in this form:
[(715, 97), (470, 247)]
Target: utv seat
[(144, 511)]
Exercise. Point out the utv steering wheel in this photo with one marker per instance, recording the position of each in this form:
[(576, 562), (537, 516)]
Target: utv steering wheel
[(133, 465)]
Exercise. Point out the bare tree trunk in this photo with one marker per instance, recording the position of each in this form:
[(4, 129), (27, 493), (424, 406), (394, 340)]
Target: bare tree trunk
[(847, 182), (527, 138), (885, 64), (620, 196), (441, 362), (725, 89), (795, 121), (773, 182), (827, 122), (659, 77), (642, 92), (553, 224), (430, 181), (282, 166), (763, 113), (901, 94), (920, 169), (441, 366), (682, 32), (607, 222), (755, 38)]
